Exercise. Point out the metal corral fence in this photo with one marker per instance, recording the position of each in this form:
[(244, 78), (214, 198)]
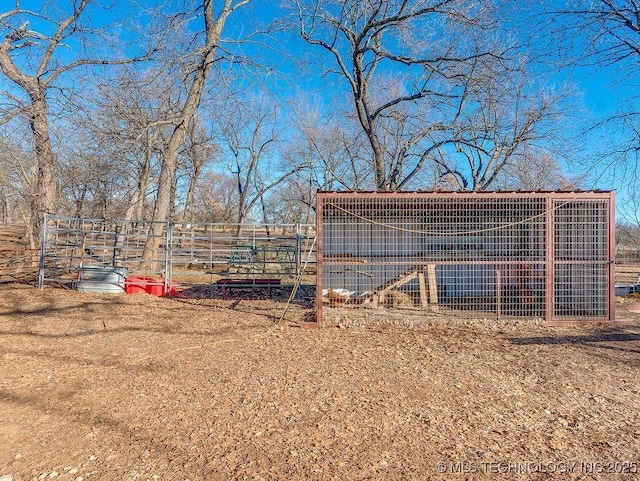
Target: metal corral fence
[(547, 255), (179, 254)]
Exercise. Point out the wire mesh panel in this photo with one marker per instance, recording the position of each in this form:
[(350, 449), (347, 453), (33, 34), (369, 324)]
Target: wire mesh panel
[(515, 255), (581, 259)]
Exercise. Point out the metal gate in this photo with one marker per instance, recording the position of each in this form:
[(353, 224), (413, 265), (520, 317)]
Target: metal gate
[(188, 253)]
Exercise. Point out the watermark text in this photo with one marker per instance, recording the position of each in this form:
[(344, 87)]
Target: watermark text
[(526, 467)]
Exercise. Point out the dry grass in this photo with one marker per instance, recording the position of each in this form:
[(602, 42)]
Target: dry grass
[(115, 387)]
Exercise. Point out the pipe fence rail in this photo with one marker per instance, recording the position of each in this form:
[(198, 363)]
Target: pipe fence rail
[(173, 252)]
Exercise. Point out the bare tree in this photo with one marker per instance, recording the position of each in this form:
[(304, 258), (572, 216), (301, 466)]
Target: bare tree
[(17, 168), (611, 28), (91, 181), (250, 131), (403, 62), (328, 150), (216, 198), (503, 121), (199, 67), (604, 35), (629, 210), (130, 120), (537, 171), (34, 59), (199, 150)]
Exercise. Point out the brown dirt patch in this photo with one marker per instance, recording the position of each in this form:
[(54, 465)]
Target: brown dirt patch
[(117, 387)]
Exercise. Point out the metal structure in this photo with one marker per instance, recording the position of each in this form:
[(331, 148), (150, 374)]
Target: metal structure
[(188, 254), (546, 255)]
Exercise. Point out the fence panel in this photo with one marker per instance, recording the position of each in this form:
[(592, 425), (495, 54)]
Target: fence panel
[(492, 255), (185, 253)]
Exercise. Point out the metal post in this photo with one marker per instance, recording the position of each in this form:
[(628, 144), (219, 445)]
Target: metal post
[(498, 295), (168, 265), (115, 246), (319, 220), (298, 253), (211, 255), (611, 291), (549, 289)]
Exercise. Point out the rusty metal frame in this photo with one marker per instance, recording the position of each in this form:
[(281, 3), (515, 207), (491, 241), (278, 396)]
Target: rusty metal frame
[(550, 199), (549, 304), (319, 257), (611, 224)]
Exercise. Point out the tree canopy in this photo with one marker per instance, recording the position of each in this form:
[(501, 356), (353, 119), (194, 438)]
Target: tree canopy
[(240, 110)]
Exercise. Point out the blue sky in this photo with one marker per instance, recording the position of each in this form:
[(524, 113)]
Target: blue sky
[(600, 92)]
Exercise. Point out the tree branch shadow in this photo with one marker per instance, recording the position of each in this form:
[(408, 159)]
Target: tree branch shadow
[(597, 340)]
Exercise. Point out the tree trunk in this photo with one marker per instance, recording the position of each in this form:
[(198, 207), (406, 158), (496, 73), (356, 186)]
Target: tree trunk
[(172, 198), (170, 159), (242, 194), (80, 203), (135, 211), (368, 125), (132, 213), (188, 213), (213, 29), (5, 207), (44, 199)]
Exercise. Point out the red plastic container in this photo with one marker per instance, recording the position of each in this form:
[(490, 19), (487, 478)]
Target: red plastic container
[(149, 285), (156, 288), (136, 285)]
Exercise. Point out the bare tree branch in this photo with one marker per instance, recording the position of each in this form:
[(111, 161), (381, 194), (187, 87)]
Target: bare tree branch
[(374, 41)]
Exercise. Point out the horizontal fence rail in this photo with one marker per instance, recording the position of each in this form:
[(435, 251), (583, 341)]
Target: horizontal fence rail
[(174, 253)]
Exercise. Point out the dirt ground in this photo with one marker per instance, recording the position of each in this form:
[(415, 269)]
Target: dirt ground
[(134, 387)]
